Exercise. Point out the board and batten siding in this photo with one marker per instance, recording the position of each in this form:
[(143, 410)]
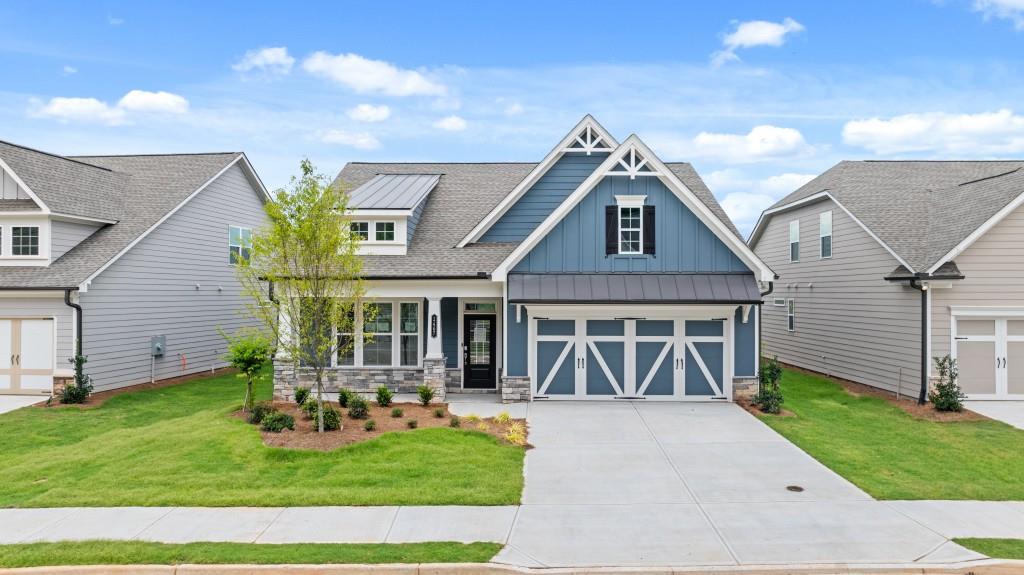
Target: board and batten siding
[(66, 235), (176, 282), (850, 322), (993, 268), (49, 305)]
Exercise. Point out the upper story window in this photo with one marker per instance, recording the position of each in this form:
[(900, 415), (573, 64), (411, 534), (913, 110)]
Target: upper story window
[(385, 231), (629, 226), (825, 233), (239, 244), (630, 230), (794, 241), (25, 241), (361, 229)]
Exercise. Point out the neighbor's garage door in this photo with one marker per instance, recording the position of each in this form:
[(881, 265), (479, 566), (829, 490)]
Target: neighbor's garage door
[(659, 359), (26, 356), (990, 357)]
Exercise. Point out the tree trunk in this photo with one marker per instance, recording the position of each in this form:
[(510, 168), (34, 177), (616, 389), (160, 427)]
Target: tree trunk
[(247, 404), (320, 402)]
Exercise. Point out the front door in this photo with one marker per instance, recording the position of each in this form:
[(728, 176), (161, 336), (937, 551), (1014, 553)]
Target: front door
[(478, 357)]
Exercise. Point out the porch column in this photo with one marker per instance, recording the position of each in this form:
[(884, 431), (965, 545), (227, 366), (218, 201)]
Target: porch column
[(434, 329)]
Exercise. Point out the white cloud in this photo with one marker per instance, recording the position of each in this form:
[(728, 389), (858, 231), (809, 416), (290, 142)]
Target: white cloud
[(371, 76), (451, 124), (359, 140), (744, 197), (156, 102), (114, 21), (369, 113), (1012, 10), (270, 60), (982, 134), (69, 70), (514, 109), (762, 143), (754, 33)]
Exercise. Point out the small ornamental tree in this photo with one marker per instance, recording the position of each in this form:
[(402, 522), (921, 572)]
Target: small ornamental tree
[(769, 393), (303, 275), (248, 352), (947, 395)]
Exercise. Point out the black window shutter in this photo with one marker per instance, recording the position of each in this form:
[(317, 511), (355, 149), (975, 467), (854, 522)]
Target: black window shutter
[(649, 229), (611, 230)]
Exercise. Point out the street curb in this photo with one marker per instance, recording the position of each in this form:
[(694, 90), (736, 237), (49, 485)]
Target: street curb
[(986, 567)]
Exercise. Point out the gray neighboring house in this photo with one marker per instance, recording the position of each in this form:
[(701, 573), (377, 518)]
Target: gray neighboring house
[(110, 251), (884, 265)]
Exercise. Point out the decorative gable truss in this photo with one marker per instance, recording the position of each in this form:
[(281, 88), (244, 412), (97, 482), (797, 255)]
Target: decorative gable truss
[(634, 159), (588, 136)]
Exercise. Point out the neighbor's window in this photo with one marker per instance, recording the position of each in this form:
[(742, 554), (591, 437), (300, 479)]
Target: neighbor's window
[(825, 233), (239, 244), (409, 333), (361, 229), (794, 241), (377, 327), (25, 241), (630, 230), (791, 315), (385, 231)]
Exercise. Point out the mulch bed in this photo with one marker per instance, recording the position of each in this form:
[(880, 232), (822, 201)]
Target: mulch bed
[(100, 397), (306, 436)]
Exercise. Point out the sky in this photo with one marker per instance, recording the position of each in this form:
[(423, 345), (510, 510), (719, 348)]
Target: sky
[(759, 96)]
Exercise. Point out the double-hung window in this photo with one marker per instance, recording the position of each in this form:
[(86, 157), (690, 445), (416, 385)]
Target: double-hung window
[(377, 334), (390, 336), (385, 232), (825, 233), (794, 241), (239, 244), (361, 230), (630, 229), (25, 241), (409, 333), (347, 341), (791, 314)]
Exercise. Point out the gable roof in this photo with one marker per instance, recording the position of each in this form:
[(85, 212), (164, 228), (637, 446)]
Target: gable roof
[(922, 211), (135, 191), (464, 192)]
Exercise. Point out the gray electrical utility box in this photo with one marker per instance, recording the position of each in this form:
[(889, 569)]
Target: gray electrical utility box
[(158, 344)]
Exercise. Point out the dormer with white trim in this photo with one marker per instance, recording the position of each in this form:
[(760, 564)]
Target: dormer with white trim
[(384, 212)]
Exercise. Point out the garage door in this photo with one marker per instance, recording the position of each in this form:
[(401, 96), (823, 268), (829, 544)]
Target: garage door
[(26, 356), (990, 357), (657, 359)]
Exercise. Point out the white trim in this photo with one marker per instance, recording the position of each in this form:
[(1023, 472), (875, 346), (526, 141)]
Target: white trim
[(630, 201), (84, 286), (72, 218), (399, 288), (762, 221), (987, 311), (699, 208), (639, 230), (356, 214), (539, 170), (21, 183), (982, 230)]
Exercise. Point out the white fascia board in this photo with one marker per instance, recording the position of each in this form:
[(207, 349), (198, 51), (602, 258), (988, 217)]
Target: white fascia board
[(668, 178), (84, 286), (73, 218), (419, 288), (42, 205), (982, 230), (549, 160), (824, 195), (254, 178)]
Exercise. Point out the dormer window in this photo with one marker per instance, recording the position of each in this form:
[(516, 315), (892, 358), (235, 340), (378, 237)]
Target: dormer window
[(385, 231), (361, 230), (25, 241)]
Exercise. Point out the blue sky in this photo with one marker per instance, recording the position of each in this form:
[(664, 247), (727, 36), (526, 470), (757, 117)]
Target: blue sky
[(759, 96)]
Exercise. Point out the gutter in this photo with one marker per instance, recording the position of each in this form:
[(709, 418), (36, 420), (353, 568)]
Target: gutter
[(78, 319), (919, 286)]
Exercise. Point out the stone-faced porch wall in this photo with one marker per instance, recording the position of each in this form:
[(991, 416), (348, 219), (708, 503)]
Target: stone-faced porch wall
[(364, 380)]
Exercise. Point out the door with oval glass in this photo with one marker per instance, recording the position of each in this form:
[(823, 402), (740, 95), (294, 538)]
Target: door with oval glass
[(478, 351)]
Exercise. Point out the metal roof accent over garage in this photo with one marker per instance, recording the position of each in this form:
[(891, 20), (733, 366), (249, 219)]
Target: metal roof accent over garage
[(697, 288), (393, 191)]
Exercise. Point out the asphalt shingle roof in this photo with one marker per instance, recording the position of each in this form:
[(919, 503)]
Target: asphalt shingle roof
[(920, 209), (136, 191), (462, 197)]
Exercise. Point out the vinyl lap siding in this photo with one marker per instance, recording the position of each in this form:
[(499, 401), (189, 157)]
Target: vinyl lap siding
[(851, 323), (994, 276), (66, 235), (152, 290)]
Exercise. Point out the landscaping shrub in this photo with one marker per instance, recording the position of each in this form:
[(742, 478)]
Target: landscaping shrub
[(426, 394), (473, 418), (309, 408), (384, 396), (301, 395), (396, 412), (455, 421), (412, 424), (482, 426), (277, 422), (332, 419), (502, 418), (81, 389), (947, 395), (260, 411), (370, 425), (439, 412), (769, 394), (516, 434), (357, 408), (343, 396)]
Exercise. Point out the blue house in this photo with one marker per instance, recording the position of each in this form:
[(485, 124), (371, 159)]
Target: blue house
[(600, 272)]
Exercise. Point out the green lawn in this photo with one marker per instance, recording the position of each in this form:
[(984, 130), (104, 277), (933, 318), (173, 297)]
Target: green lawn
[(890, 454), (139, 553), (996, 548), (179, 446)]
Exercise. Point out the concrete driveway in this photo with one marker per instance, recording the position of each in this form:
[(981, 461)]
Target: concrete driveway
[(659, 484), (12, 402), (1011, 412)]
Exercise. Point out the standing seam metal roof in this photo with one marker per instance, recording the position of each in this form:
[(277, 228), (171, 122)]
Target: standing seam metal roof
[(393, 191)]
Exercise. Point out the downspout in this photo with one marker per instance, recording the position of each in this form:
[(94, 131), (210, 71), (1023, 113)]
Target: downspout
[(923, 395), (760, 330), (78, 319)]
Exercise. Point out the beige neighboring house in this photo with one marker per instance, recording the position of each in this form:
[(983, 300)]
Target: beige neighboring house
[(884, 265)]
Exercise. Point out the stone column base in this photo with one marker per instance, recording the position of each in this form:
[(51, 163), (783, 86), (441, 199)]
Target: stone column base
[(284, 381), (434, 373), (515, 388), (744, 387)]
